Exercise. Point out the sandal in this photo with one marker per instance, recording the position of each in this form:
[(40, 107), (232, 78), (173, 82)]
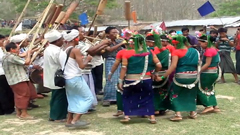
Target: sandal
[(194, 116), (176, 118), (119, 113), (125, 120), (152, 121), (207, 110)]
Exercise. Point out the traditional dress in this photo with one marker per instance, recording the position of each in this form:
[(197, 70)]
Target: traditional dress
[(183, 91), (237, 55), (138, 94), (161, 88), (208, 78), (58, 103)]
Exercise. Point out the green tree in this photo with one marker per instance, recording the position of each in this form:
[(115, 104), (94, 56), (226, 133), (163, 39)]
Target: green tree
[(227, 8)]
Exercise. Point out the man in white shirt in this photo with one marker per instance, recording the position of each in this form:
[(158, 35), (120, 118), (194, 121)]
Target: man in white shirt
[(6, 94), (58, 103)]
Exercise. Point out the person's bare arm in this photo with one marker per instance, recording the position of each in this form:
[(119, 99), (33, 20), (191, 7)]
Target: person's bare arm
[(28, 58), (79, 58), (207, 64), (111, 49), (122, 73), (114, 68)]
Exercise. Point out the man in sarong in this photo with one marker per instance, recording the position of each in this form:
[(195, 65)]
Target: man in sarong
[(86, 48), (110, 91), (58, 103), (224, 44), (17, 78)]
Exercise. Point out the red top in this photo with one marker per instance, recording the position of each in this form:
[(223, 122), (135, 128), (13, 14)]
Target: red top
[(210, 52), (179, 52), (157, 50), (238, 42), (128, 54), (170, 48), (120, 54)]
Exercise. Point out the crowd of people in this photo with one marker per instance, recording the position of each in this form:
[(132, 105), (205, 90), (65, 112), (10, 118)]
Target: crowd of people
[(146, 75)]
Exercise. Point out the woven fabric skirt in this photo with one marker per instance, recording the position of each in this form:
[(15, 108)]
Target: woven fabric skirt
[(181, 98), (160, 97), (207, 84), (110, 91), (138, 99), (79, 96)]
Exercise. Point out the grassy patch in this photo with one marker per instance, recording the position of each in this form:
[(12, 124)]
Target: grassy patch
[(5, 31)]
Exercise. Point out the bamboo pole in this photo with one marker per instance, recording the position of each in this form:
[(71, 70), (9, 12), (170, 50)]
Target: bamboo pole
[(19, 19), (40, 25)]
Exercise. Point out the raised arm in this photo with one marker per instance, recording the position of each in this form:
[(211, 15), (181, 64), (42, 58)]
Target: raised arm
[(79, 58)]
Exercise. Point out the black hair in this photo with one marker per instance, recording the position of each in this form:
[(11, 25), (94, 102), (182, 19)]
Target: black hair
[(212, 39), (10, 46), (164, 37), (108, 29), (90, 33), (75, 27), (171, 31), (213, 32), (201, 30), (150, 38), (222, 30), (2, 37), (185, 29)]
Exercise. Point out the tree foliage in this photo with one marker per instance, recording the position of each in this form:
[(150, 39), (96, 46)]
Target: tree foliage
[(228, 8)]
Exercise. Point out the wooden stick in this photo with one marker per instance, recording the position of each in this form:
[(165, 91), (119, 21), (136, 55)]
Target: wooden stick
[(95, 16), (93, 38), (40, 25), (35, 26), (56, 14), (19, 19)]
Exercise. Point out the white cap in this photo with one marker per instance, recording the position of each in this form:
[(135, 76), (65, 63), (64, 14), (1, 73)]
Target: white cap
[(70, 36), (18, 38), (52, 35)]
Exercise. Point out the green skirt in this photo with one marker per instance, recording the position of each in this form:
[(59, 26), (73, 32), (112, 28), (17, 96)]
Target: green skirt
[(119, 102), (181, 98), (207, 84), (160, 97)]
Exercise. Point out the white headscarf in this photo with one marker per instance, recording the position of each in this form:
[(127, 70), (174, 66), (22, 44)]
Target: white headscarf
[(18, 38), (70, 36), (52, 35)]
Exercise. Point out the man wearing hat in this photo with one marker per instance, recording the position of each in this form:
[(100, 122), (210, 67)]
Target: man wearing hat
[(58, 103)]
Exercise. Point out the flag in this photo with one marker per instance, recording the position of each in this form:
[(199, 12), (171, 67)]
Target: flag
[(134, 16), (83, 18), (163, 26), (206, 9), (19, 28)]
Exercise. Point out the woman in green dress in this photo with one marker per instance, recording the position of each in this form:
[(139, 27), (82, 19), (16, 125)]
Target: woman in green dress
[(209, 75), (183, 90), (160, 88)]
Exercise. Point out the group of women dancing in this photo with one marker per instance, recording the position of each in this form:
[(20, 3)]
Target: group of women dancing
[(162, 72)]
